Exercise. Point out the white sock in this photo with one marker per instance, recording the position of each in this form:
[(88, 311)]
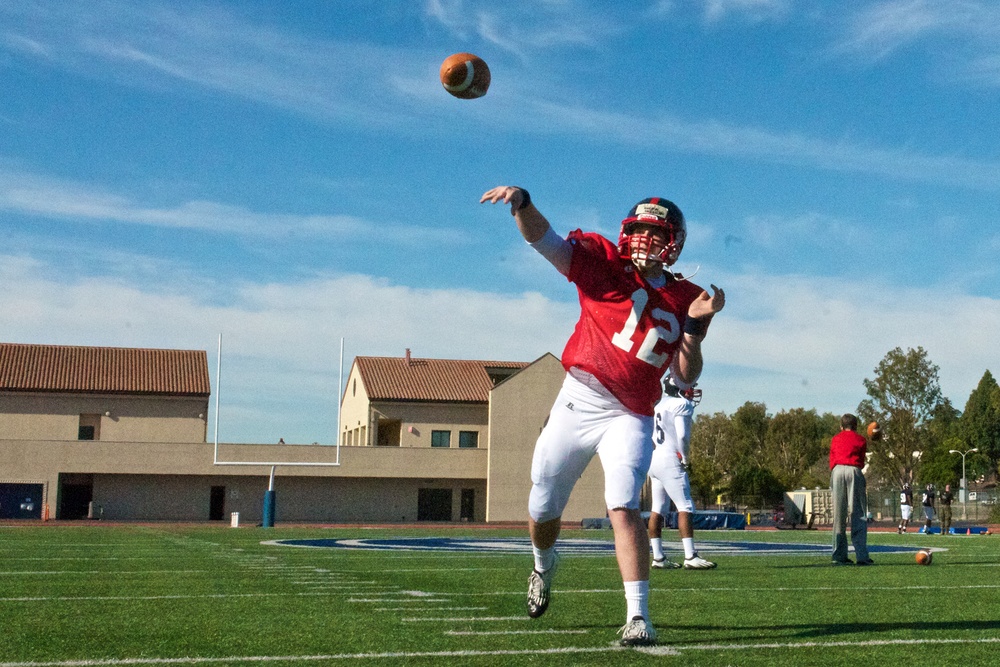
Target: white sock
[(544, 558), (688, 543), (637, 599), (657, 544)]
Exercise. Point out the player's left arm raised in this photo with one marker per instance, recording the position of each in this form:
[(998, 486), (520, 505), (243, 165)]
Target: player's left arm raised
[(689, 362), (706, 306)]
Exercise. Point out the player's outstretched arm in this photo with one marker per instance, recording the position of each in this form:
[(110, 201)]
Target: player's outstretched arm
[(533, 226), (531, 223)]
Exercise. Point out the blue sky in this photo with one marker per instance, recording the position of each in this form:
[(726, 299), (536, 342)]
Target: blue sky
[(291, 174)]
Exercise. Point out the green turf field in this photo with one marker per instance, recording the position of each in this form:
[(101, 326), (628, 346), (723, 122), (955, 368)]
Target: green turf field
[(91, 595)]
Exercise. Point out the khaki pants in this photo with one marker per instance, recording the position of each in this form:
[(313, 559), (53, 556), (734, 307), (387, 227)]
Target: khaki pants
[(850, 500)]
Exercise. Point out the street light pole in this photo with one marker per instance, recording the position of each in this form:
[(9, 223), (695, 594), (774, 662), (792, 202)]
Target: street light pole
[(965, 482)]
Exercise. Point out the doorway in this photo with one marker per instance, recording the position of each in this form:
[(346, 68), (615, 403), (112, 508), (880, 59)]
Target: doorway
[(217, 503), (434, 505), (75, 495), (21, 501)]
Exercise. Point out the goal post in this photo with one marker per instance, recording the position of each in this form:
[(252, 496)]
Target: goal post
[(270, 495)]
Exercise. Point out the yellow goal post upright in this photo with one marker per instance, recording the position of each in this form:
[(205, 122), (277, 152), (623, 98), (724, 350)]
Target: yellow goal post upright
[(267, 520)]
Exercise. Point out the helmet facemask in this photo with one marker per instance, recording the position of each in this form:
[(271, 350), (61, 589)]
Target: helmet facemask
[(647, 248), (643, 248), (693, 395)]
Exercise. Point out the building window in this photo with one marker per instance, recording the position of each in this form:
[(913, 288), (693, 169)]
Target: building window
[(387, 434), (468, 439), (440, 438), (90, 427)]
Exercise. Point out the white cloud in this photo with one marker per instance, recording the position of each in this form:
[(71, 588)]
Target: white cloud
[(788, 341), (962, 36), (720, 139), (39, 196), (880, 29), (524, 31), (219, 52), (156, 45), (801, 341), (280, 341), (753, 10)]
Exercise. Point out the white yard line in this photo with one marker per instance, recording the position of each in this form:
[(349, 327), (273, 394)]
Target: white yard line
[(570, 650), (464, 619), (15, 573), (410, 609), (351, 589), (464, 633), (215, 596)]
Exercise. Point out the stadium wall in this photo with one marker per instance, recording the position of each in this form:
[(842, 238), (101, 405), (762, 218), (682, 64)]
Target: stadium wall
[(519, 407), (51, 416)]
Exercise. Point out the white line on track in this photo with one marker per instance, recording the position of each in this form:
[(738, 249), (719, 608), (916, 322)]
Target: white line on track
[(570, 650), (464, 633), (86, 598), (842, 644), (456, 569), (10, 559), (463, 619), (398, 601), (16, 573), (431, 609), (702, 589), (334, 590), (369, 586)]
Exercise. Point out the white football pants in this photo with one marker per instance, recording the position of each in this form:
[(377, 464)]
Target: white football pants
[(669, 481), (586, 420)]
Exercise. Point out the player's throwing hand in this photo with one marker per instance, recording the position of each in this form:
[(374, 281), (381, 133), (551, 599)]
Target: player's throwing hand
[(508, 194)]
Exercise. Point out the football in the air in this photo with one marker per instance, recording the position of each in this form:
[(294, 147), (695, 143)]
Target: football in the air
[(924, 557), (874, 431), (466, 76)]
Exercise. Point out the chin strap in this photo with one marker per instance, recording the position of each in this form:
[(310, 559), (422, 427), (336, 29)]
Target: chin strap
[(678, 277)]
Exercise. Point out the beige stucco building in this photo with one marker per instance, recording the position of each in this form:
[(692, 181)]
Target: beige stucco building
[(121, 434)]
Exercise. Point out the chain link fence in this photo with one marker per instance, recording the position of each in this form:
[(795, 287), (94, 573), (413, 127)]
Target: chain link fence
[(884, 506)]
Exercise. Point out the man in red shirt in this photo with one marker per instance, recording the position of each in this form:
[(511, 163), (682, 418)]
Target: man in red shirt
[(850, 497), (637, 319)]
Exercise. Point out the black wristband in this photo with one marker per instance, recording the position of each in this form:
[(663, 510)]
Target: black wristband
[(525, 199), (696, 326)]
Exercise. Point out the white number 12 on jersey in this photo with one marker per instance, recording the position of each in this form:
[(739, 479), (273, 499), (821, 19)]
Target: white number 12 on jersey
[(669, 333)]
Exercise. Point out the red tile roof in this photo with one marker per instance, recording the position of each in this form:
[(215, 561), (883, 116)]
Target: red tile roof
[(412, 379), (103, 370)]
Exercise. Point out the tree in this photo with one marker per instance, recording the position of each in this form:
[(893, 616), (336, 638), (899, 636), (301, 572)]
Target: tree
[(752, 479), (793, 444), (711, 445), (979, 426), (750, 424), (937, 465), (902, 397)]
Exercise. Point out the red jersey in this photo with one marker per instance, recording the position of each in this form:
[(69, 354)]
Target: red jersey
[(628, 331), (848, 448)]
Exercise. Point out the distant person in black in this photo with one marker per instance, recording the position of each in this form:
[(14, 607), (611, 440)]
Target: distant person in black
[(946, 499), (905, 507), (928, 502)]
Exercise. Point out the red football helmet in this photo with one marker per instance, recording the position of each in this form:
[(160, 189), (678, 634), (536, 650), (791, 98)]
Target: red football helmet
[(693, 395), (670, 388), (662, 214)]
